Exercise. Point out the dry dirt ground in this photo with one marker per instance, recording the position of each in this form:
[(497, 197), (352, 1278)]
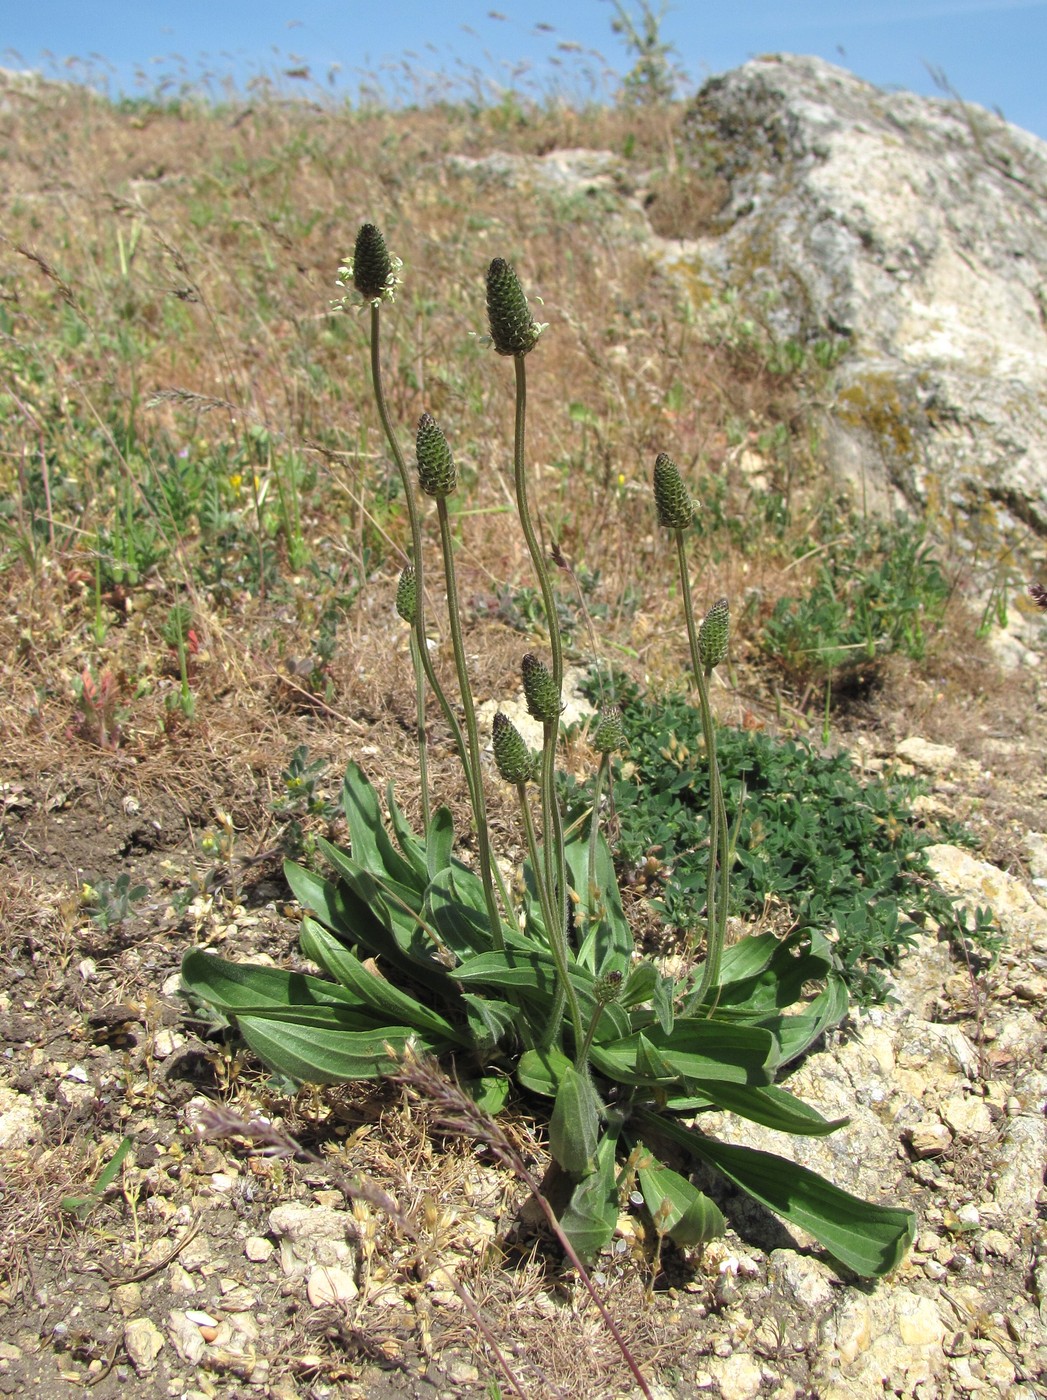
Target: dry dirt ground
[(180, 1249)]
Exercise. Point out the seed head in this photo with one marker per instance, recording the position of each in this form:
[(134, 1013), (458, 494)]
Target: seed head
[(540, 692), (371, 271), (714, 633), (675, 507), (407, 594), (515, 762), (436, 471), (607, 988), (609, 735), (513, 332)]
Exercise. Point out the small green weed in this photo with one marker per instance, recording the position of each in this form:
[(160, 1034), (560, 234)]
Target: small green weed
[(838, 853), (110, 904), (879, 590)]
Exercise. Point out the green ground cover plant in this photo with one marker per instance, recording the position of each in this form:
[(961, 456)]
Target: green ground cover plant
[(879, 589), (810, 837), (544, 994)]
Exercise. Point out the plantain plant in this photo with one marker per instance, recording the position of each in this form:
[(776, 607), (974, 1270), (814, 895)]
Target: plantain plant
[(548, 998)]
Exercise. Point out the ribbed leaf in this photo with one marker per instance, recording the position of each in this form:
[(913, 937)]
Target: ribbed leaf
[(413, 849), (592, 1212), (869, 1239), (439, 842), (772, 1106), (540, 1071), (313, 1056), (371, 845), (491, 1022), (696, 1050), (608, 944), (371, 989)]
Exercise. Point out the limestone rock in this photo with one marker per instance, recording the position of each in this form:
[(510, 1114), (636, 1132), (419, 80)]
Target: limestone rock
[(312, 1235), (912, 230), (982, 883), (19, 1120)]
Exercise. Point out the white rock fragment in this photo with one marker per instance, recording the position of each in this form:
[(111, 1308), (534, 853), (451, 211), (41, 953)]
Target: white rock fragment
[(312, 1235), (258, 1249), (932, 758), (19, 1120), (329, 1284), (143, 1342)]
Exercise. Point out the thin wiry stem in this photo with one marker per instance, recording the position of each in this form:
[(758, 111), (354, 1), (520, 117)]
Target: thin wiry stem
[(423, 742), (460, 1114), (473, 772), (719, 863), (416, 540)]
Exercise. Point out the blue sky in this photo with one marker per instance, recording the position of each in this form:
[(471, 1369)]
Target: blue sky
[(992, 51)]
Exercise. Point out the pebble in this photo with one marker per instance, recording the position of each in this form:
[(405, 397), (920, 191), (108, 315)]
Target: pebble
[(328, 1284), (258, 1249), (143, 1342)]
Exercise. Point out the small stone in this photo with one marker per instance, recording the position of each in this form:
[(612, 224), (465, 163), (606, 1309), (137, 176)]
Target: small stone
[(933, 758), (969, 1216), (739, 1377), (199, 1318), (258, 1249), (929, 1139), (997, 1243), (186, 1337), (461, 1372), (143, 1342), (329, 1284), (920, 1324), (967, 1117), (128, 1298)]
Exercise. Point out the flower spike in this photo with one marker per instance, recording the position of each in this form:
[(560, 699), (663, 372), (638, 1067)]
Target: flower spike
[(513, 332)]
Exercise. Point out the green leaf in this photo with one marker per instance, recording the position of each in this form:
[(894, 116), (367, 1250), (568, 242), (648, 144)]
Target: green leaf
[(490, 1092), (369, 987), (371, 846), (869, 1239), (412, 848), (491, 1022), (455, 918), (532, 974), (592, 1212), (315, 1056), (439, 842), (540, 1071), (772, 1106), (574, 1128), (342, 911), (232, 987), (81, 1205), (677, 1208), (705, 1049), (608, 943)]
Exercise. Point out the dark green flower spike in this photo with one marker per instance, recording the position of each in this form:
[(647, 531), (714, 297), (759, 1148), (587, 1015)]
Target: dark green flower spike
[(436, 471), (607, 989), (714, 633), (513, 759), (512, 329), (609, 736), (407, 594), (675, 507), (540, 692), (372, 265)]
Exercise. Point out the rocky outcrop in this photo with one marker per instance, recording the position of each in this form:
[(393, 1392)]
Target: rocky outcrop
[(913, 231)]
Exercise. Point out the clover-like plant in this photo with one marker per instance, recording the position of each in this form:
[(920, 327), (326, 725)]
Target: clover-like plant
[(549, 999)]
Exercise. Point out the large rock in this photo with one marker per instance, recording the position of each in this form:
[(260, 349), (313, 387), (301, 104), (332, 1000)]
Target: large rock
[(912, 229)]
